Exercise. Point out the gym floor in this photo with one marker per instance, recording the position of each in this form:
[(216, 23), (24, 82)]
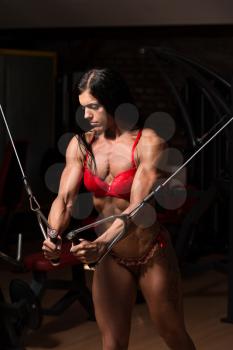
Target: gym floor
[(205, 304)]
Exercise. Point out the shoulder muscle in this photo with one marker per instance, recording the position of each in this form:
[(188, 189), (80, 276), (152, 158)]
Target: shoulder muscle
[(150, 147)]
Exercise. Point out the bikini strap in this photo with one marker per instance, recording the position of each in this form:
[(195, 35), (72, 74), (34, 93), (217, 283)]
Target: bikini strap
[(134, 146)]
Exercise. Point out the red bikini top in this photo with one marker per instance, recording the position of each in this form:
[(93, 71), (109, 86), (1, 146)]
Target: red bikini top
[(120, 186)]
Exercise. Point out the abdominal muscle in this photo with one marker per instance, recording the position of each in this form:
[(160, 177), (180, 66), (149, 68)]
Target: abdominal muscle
[(138, 238)]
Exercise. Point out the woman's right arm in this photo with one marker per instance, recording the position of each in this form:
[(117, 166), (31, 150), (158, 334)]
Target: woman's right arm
[(61, 209)]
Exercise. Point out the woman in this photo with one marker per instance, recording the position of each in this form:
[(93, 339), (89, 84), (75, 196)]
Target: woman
[(119, 165)]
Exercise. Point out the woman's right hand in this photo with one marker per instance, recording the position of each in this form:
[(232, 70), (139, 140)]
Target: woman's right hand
[(51, 250)]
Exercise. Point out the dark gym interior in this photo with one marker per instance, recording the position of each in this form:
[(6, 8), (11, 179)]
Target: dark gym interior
[(178, 63)]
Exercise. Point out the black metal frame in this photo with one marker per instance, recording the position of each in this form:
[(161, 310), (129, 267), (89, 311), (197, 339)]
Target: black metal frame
[(201, 76)]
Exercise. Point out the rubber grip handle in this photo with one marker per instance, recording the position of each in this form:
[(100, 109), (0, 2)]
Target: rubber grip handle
[(52, 235)]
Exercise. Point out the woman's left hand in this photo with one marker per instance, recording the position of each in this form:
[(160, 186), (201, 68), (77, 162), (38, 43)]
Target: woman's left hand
[(88, 252)]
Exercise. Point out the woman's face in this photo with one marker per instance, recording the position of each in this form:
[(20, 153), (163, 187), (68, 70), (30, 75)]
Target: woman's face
[(94, 112)]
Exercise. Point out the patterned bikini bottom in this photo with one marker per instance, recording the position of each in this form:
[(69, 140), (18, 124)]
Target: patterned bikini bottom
[(134, 264)]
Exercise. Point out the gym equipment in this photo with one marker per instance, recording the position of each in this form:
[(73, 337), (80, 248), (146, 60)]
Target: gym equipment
[(23, 313), (221, 110), (17, 317), (76, 288)]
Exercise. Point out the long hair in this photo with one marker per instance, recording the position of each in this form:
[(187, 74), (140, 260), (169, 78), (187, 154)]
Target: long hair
[(108, 87)]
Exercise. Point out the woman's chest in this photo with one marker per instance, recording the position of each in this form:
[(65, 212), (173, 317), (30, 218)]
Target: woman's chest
[(112, 159)]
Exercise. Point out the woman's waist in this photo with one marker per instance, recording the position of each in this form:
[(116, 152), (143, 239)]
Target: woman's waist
[(138, 241), (107, 206)]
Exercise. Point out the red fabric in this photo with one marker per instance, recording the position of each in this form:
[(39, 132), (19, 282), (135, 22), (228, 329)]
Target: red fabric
[(37, 262), (121, 185)]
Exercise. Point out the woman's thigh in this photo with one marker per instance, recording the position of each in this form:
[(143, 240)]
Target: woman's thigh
[(161, 286), (114, 294)]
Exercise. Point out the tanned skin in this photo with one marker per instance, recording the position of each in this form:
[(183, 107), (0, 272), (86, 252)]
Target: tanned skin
[(114, 286)]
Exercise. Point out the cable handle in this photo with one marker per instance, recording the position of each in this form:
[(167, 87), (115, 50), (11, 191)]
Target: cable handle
[(93, 266), (53, 236)]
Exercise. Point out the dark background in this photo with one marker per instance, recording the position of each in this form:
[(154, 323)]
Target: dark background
[(53, 44)]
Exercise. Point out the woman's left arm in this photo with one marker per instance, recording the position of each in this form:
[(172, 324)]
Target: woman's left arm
[(151, 161)]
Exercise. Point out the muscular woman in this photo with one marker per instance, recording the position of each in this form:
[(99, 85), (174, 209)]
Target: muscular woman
[(119, 166)]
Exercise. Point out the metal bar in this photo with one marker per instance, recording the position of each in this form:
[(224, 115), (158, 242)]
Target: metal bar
[(196, 75), (182, 107), (34, 205), (10, 260), (199, 66), (19, 247)]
